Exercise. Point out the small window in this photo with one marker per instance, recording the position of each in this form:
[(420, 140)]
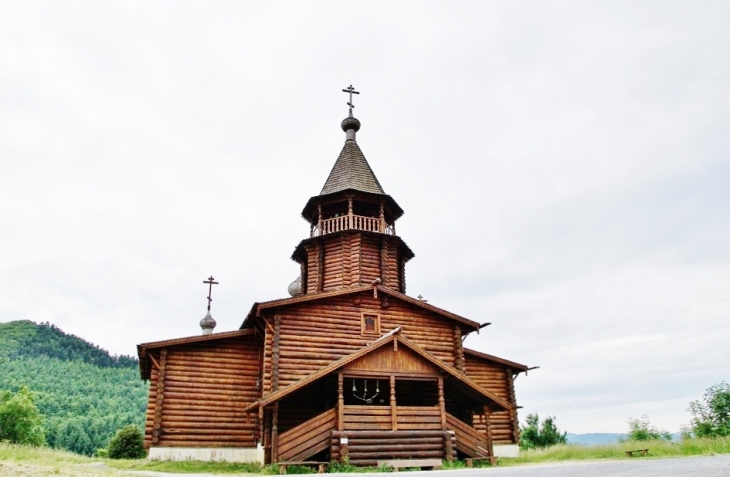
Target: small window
[(370, 324)]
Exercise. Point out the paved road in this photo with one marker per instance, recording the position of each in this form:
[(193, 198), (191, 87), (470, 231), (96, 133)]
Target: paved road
[(700, 466)]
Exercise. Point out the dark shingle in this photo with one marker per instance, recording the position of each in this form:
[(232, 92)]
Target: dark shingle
[(352, 171)]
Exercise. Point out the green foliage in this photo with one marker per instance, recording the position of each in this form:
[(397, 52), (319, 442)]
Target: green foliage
[(83, 396), (711, 415), (25, 338), (642, 430), (127, 443), (20, 421), (341, 466), (535, 435)]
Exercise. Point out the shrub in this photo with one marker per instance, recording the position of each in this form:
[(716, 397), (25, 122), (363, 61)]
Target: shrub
[(536, 435), (20, 421), (642, 430), (127, 443), (711, 416)]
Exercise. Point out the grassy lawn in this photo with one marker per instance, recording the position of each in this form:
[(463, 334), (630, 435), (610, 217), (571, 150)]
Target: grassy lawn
[(682, 448), (37, 461)]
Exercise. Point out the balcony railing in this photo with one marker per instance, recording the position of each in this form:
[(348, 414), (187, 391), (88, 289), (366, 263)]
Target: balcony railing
[(352, 222)]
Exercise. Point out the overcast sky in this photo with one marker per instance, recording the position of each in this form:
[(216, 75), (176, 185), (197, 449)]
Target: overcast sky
[(564, 168)]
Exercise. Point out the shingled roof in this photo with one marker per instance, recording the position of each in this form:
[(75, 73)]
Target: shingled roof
[(352, 171)]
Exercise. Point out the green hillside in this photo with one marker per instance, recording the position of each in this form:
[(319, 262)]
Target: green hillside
[(84, 393)]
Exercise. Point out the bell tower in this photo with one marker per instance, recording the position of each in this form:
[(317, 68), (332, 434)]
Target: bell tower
[(352, 240)]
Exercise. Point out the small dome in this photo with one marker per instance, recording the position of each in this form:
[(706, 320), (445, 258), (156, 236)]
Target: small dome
[(295, 287), (350, 123), (207, 324)]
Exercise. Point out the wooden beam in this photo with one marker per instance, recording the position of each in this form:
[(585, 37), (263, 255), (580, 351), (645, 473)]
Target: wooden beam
[(488, 432), (157, 421), (459, 350), (340, 402), (275, 433), (275, 354), (442, 403), (393, 405)]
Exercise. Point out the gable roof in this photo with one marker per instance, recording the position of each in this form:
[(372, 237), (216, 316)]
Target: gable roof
[(369, 348), (488, 357), (257, 308), (352, 171)]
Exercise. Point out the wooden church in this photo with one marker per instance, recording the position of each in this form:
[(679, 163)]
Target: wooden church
[(349, 365)]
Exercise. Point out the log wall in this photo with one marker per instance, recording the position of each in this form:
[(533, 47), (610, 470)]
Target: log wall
[(347, 259), (314, 334), (206, 386), (497, 379)]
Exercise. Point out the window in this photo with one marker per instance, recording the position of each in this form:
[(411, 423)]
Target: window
[(370, 324)]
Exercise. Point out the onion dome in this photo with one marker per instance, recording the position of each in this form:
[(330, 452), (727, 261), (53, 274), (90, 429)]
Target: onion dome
[(207, 324)]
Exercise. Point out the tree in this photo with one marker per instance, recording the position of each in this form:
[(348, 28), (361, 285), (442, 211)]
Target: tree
[(643, 430), (536, 435), (20, 421), (127, 443), (711, 415)]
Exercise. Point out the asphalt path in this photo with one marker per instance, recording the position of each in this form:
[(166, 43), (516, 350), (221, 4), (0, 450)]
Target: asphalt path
[(698, 466)]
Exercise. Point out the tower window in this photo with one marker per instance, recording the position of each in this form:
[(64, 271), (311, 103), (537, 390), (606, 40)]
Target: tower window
[(370, 324)]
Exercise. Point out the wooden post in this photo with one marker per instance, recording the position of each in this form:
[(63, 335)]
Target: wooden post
[(319, 219), (513, 412), (458, 350), (157, 422), (275, 433), (275, 355), (349, 213), (442, 403), (490, 444), (393, 405), (382, 219), (340, 402)]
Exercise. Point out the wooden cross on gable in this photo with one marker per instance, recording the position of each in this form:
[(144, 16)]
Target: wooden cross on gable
[(210, 281), (352, 91)]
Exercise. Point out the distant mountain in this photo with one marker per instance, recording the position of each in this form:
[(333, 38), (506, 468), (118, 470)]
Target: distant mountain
[(595, 438), (84, 393), (25, 338)]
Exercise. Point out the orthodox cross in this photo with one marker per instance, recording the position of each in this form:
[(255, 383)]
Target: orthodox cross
[(210, 282), (352, 91)]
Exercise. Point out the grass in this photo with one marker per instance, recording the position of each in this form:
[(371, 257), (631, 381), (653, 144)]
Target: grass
[(657, 448), (17, 460)]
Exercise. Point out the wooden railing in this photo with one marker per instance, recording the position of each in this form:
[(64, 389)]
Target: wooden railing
[(352, 222), (469, 441), (306, 439)]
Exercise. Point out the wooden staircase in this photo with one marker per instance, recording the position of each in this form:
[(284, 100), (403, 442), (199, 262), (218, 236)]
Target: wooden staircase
[(469, 441), (307, 439)]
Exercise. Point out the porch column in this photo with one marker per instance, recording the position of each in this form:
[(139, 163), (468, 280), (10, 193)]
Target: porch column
[(442, 403), (340, 402), (393, 405), (275, 434), (488, 420)]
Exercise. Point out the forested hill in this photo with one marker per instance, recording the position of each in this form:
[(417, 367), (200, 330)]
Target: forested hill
[(25, 338), (84, 394)]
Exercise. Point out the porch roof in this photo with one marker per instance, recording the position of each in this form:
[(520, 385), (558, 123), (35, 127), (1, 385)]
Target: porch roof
[(379, 343)]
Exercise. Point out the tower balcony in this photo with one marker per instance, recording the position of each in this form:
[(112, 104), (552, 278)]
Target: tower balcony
[(352, 222)]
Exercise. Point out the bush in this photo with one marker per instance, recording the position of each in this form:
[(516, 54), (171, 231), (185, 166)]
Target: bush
[(535, 435), (642, 430), (20, 421), (711, 416), (127, 443)]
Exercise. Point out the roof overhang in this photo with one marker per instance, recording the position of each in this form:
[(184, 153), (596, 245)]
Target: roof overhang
[(494, 359), (311, 207)]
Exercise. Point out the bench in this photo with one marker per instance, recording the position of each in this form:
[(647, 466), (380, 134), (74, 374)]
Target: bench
[(321, 466), (409, 463), (470, 460), (632, 452)]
